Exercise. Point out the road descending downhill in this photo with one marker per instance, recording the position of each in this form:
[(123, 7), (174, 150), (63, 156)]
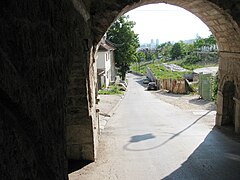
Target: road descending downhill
[(149, 139)]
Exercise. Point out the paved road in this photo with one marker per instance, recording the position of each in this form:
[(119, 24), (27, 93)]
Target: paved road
[(148, 139)]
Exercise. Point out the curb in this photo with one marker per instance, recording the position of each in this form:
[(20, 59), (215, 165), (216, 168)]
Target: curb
[(107, 117), (111, 112)]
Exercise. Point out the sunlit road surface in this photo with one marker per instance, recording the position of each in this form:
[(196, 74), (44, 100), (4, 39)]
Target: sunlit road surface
[(148, 139)]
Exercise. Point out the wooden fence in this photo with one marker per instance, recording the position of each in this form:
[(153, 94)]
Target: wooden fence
[(180, 86)]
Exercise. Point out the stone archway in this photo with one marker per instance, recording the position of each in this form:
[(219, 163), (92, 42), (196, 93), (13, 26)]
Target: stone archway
[(223, 26), (223, 20), (228, 104)]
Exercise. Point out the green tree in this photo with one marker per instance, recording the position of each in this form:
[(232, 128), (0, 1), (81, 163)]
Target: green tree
[(126, 41), (140, 58), (164, 50), (210, 41), (150, 55), (199, 43), (176, 51), (153, 57), (186, 48), (204, 42), (147, 54)]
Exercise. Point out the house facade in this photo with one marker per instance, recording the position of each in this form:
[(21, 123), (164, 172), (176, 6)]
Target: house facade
[(105, 64)]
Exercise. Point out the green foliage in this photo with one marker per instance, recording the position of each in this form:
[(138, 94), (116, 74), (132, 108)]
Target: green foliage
[(164, 50), (139, 68), (194, 87), (159, 70), (190, 62), (201, 42), (149, 54), (192, 59), (186, 48), (140, 58), (122, 35), (181, 49), (190, 67), (176, 51), (215, 87), (186, 64), (210, 40), (111, 90), (163, 73)]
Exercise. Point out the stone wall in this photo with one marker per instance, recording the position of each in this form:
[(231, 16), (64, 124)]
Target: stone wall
[(41, 43), (229, 66), (81, 122)]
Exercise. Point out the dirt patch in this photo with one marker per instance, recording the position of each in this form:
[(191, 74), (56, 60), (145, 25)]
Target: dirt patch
[(185, 101)]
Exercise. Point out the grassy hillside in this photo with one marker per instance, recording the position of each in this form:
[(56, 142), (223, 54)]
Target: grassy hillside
[(160, 71), (190, 63)]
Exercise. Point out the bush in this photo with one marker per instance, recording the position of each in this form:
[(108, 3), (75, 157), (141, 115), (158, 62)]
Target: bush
[(190, 62), (215, 87), (163, 73), (111, 90), (192, 59)]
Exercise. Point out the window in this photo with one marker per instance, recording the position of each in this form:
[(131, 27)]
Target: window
[(106, 56)]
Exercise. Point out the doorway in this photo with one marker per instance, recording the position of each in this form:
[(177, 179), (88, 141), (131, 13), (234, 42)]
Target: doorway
[(228, 104)]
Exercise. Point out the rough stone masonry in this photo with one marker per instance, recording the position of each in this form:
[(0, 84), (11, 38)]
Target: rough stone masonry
[(47, 77)]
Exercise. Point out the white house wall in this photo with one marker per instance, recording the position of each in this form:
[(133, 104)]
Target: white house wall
[(101, 60), (113, 69), (104, 63)]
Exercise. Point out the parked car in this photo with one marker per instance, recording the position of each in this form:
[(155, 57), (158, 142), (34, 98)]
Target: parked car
[(146, 81), (152, 86)]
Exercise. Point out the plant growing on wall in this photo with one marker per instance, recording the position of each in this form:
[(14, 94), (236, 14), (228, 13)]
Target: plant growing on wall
[(121, 34), (215, 87)]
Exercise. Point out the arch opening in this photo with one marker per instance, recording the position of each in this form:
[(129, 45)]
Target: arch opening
[(220, 23), (219, 18)]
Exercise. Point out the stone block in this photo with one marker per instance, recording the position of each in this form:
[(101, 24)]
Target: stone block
[(77, 134), (88, 152), (74, 152)]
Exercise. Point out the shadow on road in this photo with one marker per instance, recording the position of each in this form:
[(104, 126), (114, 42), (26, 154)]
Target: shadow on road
[(74, 165), (166, 93), (143, 137), (126, 147), (218, 157), (198, 101)]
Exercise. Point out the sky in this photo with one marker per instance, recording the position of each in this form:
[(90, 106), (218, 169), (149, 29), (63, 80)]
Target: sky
[(166, 23)]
